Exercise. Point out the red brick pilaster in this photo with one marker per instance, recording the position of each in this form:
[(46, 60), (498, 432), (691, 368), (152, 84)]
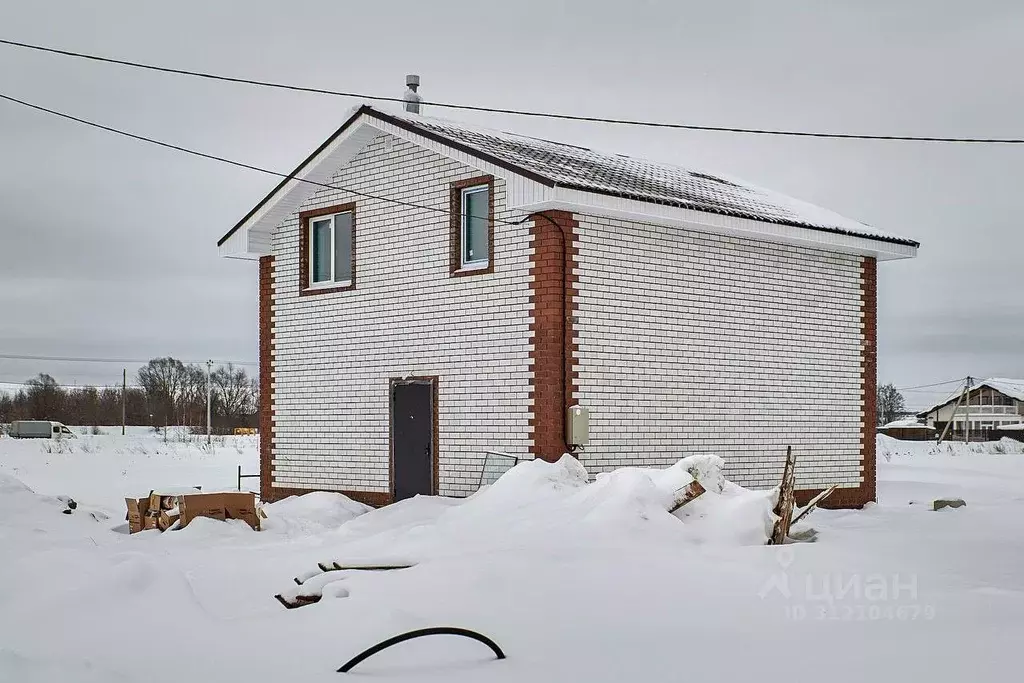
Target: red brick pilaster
[(269, 492), (866, 492), (869, 306), (553, 352), (266, 415)]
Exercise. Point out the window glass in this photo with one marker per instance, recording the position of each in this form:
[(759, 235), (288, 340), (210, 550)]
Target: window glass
[(343, 247), (320, 259), (475, 238)]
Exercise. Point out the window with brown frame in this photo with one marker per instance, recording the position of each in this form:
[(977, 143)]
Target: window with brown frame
[(327, 249), (472, 226)]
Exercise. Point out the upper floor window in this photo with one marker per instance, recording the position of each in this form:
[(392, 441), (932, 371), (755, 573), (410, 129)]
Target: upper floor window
[(327, 249), (472, 226), (475, 242)]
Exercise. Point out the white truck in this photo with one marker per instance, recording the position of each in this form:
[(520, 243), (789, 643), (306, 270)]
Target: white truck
[(39, 429)]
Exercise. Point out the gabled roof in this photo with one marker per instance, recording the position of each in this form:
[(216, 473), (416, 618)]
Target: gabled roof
[(560, 165), (1014, 388), (618, 175)]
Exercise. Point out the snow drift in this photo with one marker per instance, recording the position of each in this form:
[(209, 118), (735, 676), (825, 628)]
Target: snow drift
[(538, 503)]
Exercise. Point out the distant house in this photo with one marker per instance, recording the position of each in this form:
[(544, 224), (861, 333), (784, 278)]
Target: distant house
[(992, 404), (435, 291), (908, 429)]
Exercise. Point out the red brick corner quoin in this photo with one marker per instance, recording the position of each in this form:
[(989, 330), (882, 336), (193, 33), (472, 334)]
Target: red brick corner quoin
[(865, 493), (266, 416), (553, 258), (269, 492)]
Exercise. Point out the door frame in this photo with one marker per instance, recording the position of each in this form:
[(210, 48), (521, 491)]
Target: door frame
[(432, 380)]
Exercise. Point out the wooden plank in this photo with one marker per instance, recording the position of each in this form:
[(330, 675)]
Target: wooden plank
[(787, 495), (686, 494), (813, 503)]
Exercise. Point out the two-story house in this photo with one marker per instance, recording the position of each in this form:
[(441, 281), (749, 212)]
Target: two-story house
[(990, 405), (430, 291)]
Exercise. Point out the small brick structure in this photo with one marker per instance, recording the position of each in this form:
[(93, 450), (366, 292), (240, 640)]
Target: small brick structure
[(728, 336)]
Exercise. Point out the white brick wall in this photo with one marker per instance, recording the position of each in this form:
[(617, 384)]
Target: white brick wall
[(335, 353), (692, 343)]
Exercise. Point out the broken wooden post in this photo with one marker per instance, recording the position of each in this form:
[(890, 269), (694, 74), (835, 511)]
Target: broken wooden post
[(813, 503), (686, 494), (784, 507)]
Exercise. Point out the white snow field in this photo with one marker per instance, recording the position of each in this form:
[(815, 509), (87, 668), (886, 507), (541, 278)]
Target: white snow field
[(575, 581)]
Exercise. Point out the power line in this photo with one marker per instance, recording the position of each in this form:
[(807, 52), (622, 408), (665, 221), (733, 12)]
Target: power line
[(16, 356), (515, 112), (84, 385), (925, 386), (232, 162)]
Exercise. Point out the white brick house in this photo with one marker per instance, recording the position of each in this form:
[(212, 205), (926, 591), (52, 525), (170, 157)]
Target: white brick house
[(430, 291)]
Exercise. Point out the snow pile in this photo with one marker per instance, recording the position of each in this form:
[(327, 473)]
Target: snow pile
[(538, 494), (887, 447), (311, 513), (538, 503), (28, 516)]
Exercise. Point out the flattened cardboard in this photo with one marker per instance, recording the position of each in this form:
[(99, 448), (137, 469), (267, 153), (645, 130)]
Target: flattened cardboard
[(227, 505)]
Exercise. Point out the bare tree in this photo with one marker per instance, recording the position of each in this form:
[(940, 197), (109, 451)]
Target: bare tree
[(163, 380), (6, 408), (192, 402), (890, 405), (233, 392), (45, 397)]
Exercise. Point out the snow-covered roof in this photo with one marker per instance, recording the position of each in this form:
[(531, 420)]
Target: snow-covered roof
[(1014, 388), (619, 175), (906, 423), (574, 168)]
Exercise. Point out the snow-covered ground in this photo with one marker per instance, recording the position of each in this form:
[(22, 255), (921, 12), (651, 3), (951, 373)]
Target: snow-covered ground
[(576, 581), (106, 468)]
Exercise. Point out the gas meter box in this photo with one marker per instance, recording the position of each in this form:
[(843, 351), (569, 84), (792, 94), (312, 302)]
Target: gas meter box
[(578, 426)]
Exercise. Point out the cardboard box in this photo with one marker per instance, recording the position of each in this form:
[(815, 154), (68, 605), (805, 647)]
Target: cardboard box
[(136, 511), (167, 519), (227, 505), (159, 510)]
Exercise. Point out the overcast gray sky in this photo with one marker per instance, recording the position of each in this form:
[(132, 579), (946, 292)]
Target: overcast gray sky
[(108, 246)]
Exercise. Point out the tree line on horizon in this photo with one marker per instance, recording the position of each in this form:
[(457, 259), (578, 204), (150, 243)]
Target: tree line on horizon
[(166, 392)]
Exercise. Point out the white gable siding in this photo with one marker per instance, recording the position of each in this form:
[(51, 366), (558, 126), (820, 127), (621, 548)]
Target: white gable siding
[(334, 354), (697, 343)]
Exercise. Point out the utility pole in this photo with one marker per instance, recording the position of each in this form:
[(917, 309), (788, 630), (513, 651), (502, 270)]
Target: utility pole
[(949, 423), (967, 409), (209, 396), (124, 393)]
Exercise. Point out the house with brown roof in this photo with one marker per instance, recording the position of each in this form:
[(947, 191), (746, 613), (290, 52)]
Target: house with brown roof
[(432, 292)]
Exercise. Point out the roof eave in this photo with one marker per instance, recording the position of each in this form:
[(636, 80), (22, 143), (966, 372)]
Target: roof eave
[(587, 203), (363, 109), (738, 214)]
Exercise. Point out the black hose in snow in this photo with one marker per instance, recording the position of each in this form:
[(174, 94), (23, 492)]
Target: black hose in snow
[(436, 630)]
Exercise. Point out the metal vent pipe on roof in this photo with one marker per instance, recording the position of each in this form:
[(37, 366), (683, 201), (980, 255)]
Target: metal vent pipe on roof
[(411, 97)]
